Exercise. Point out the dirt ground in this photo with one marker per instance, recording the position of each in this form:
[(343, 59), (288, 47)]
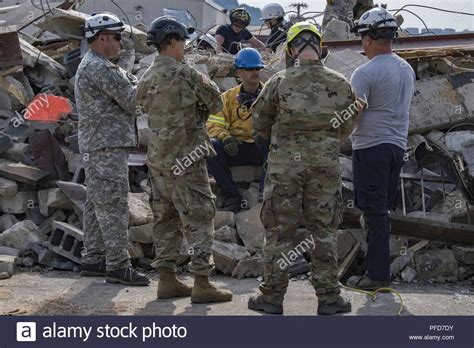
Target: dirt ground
[(66, 293)]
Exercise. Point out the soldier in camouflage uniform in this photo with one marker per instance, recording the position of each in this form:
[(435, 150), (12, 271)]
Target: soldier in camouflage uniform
[(298, 110), (178, 100), (105, 98)]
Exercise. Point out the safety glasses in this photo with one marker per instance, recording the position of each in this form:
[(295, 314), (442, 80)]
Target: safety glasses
[(252, 69)]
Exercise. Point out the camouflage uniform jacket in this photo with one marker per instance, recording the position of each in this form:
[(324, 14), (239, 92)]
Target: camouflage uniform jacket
[(301, 109), (178, 100), (105, 99)]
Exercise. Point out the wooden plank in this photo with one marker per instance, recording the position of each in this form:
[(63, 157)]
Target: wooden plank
[(419, 228), (348, 261)]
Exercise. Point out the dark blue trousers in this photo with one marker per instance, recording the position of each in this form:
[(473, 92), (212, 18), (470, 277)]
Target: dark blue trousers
[(219, 167), (376, 171)]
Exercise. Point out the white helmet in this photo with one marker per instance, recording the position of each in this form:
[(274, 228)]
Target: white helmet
[(208, 38), (102, 22), (374, 19), (272, 11)]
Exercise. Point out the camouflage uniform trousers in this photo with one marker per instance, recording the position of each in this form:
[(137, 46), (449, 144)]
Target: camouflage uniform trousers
[(106, 209), (183, 204), (314, 191)]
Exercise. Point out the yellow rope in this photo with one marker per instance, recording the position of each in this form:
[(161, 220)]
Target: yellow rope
[(373, 294)]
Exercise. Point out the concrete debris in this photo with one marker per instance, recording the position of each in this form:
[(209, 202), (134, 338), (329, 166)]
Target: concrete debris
[(7, 221), (249, 268), (139, 209), (227, 256), (8, 188), (250, 229), (67, 241), (141, 234), (227, 234), (464, 254), (135, 250), (224, 218), (20, 235), (9, 251), (19, 203), (7, 264), (52, 199), (409, 274), (337, 30), (438, 265)]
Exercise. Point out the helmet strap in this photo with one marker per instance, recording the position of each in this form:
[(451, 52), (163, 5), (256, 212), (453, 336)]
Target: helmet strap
[(306, 43)]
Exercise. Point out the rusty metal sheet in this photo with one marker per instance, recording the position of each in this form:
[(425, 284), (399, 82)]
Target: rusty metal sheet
[(10, 51)]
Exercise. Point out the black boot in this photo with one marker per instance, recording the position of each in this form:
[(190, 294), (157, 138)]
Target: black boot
[(93, 269), (127, 276)]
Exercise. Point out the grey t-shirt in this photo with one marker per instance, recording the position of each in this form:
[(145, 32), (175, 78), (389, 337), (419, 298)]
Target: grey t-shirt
[(386, 82)]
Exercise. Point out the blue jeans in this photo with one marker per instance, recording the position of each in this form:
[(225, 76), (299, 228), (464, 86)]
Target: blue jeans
[(219, 167), (376, 171)]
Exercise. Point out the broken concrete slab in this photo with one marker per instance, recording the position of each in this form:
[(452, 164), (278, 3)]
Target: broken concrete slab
[(139, 209), (227, 256), (23, 173), (345, 61), (464, 253), (51, 259), (7, 221), (53, 199), (250, 228), (141, 234), (8, 188), (227, 234), (297, 267), (439, 98), (438, 265), (224, 218), (19, 203), (249, 268), (20, 235), (9, 251), (7, 264)]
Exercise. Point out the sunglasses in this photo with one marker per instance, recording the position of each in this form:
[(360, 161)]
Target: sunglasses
[(239, 24), (252, 69)]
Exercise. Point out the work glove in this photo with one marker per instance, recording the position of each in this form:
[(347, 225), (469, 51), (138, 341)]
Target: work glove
[(231, 146)]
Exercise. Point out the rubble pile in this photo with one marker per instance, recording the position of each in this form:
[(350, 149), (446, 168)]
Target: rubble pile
[(42, 192)]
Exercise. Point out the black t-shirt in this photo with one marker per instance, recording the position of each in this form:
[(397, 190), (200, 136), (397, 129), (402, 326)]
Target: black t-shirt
[(231, 38)]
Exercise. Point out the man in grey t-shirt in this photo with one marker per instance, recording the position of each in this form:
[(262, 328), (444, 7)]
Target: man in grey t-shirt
[(385, 86)]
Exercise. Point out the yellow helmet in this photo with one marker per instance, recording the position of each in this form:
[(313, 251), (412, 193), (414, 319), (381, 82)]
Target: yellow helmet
[(300, 27)]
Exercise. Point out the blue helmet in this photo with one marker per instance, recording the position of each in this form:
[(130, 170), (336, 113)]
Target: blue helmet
[(248, 58)]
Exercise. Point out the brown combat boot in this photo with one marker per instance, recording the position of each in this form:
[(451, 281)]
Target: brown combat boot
[(170, 287), (329, 305), (205, 292)]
